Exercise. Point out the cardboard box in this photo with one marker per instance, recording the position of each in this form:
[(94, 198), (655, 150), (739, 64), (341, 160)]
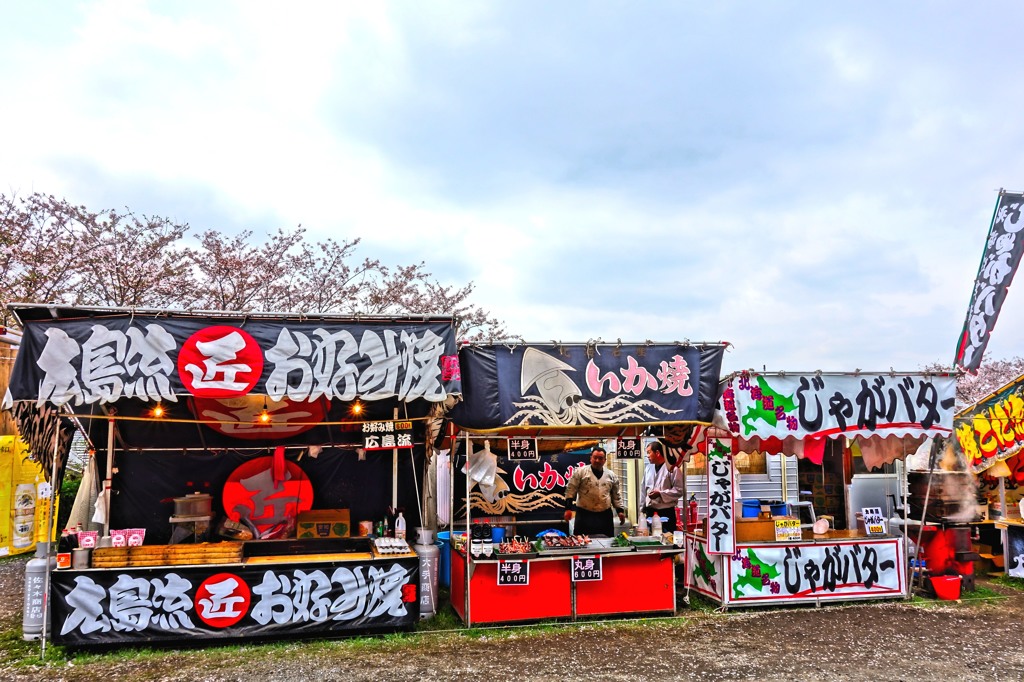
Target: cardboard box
[(755, 530), (323, 523)]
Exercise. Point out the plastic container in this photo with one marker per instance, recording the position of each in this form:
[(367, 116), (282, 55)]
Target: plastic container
[(444, 567), (400, 527), (751, 508), (946, 587), (497, 535), (196, 504)]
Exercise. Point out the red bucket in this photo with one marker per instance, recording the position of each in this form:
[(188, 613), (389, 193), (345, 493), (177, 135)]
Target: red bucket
[(946, 587)]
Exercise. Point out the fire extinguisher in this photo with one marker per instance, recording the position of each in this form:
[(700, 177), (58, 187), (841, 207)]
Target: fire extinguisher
[(691, 513)]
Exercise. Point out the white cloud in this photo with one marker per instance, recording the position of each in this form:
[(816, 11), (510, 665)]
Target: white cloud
[(811, 185)]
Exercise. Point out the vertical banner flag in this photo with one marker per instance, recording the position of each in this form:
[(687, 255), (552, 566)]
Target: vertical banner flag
[(998, 264)]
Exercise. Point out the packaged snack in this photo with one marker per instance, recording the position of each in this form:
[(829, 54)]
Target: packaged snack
[(136, 536), (118, 538), (87, 538)]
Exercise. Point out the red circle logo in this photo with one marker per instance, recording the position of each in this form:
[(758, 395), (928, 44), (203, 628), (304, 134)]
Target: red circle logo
[(240, 417), (269, 500), (220, 362), (222, 600)]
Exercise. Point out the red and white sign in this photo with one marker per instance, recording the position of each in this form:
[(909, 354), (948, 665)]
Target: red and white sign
[(222, 600), (240, 417), (220, 362), (252, 493)]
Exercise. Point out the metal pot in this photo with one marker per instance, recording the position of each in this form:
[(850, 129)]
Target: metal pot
[(196, 504)]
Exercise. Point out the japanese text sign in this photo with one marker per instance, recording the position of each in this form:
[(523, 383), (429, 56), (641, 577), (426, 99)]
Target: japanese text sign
[(520, 449), (577, 385), (787, 530), (830, 406), (721, 494), (628, 448), (874, 521), (104, 359), (999, 263), (387, 435), (513, 572), (145, 605), (586, 568), (817, 571), (992, 429)]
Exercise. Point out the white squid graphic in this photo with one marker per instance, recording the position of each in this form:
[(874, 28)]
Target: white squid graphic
[(560, 402)]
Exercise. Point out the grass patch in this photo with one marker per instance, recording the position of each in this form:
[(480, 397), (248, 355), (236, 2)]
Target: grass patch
[(1007, 581)]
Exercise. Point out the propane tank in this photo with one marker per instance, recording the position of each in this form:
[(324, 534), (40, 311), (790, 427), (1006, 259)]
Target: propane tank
[(691, 514), (430, 555), (33, 611)]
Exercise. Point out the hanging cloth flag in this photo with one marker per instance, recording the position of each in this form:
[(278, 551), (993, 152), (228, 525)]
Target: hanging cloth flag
[(998, 265), (279, 471)]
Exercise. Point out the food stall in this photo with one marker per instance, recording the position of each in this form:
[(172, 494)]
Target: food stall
[(989, 439), (774, 555), (529, 416), (252, 465)]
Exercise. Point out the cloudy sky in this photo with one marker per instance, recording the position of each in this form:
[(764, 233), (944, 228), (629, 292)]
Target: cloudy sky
[(812, 182)]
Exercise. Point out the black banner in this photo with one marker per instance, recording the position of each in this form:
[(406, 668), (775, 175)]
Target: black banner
[(158, 358), (528, 490), (567, 386), (135, 605), (998, 264)]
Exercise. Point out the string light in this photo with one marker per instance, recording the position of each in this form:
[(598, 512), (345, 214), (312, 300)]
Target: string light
[(357, 408), (158, 410), (264, 417)]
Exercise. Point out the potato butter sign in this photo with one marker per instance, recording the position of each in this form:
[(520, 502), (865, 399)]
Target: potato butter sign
[(821, 405), (817, 571), (86, 361), (165, 604)]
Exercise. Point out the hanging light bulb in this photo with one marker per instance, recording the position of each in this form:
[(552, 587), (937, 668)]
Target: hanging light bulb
[(158, 411), (357, 408), (264, 417)]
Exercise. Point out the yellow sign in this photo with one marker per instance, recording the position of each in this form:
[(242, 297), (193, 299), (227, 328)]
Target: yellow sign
[(24, 498), (787, 530)]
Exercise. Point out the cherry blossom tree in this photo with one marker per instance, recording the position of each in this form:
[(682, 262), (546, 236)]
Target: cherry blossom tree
[(54, 252), (992, 375)]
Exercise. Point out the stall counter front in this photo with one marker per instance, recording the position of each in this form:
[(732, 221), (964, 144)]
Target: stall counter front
[(1013, 546), (837, 566), (625, 583), (310, 591)]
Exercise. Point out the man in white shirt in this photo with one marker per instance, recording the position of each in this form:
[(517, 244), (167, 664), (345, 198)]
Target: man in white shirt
[(663, 486)]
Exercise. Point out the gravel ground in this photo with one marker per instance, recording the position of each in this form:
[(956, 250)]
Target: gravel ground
[(971, 640)]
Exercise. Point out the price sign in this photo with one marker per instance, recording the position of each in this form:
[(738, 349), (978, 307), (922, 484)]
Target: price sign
[(874, 522), (522, 449), (586, 568), (513, 572), (628, 448), (387, 435), (787, 530)]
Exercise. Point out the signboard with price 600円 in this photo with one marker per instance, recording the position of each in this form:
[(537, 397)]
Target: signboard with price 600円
[(586, 568)]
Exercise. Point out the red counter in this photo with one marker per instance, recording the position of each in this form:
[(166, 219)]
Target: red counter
[(641, 582)]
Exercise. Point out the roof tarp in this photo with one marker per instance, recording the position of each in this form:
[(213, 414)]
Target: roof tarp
[(562, 387), (98, 357)]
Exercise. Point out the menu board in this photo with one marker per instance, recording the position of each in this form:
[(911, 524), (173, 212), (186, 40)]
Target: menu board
[(586, 568), (513, 572), (628, 448)]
